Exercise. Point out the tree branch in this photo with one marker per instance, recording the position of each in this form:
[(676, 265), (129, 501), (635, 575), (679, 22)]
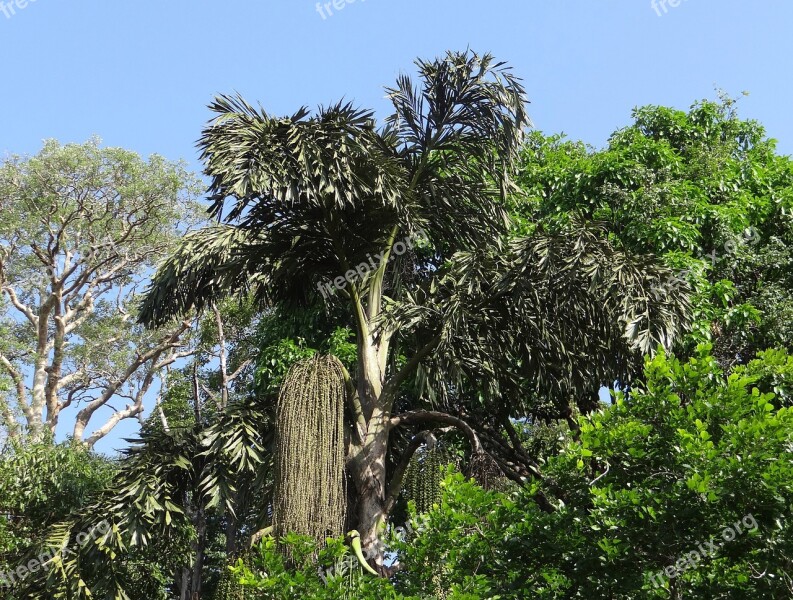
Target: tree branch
[(110, 390), (23, 308), (395, 487), (222, 357), (21, 393), (427, 416), (18, 380)]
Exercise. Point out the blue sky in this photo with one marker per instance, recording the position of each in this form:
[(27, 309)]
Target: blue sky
[(140, 74)]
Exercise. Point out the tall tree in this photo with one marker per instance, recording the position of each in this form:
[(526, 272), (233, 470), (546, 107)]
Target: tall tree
[(705, 190), (328, 208), (81, 228)]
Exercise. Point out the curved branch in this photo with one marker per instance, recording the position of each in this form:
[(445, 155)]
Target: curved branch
[(429, 416), (23, 308), (18, 380)]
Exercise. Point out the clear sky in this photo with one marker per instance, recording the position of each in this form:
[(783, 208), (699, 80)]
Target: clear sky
[(140, 74)]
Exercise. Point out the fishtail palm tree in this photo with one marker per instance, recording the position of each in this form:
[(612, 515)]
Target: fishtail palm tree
[(321, 208)]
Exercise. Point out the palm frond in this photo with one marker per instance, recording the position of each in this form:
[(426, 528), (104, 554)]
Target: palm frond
[(460, 130), (556, 315), (207, 266), (265, 168)]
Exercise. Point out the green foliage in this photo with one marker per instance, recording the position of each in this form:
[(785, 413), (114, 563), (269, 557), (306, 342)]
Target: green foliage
[(288, 335), (160, 484), (40, 485), (704, 190), (328, 572), (772, 372), (450, 550), (175, 403), (522, 323), (341, 344), (276, 360), (651, 479)]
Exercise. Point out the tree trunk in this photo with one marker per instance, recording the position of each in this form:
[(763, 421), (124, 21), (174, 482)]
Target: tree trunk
[(36, 418), (199, 547), (371, 520), (369, 474), (184, 584), (231, 533), (367, 461)]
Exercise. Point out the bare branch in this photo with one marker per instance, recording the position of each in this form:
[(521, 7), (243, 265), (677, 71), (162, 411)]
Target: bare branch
[(128, 412), (222, 356), (427, 416), (23, 308), (172, 358), (163, 418), (17, 378), (212, 396), (112, 388), (239, 371), (21, 393)]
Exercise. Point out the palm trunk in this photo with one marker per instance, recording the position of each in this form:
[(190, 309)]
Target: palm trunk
[(368, 464), (371, 515), (368, 474)]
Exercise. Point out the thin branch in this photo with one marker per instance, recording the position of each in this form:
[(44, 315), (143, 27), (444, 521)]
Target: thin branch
[(23, 308), (239, 371), (161, 412), (395, 486), (392, 385), (18, 380), (212, 396)]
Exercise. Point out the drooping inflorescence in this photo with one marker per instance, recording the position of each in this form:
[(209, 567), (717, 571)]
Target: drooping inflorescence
[(310, 490)]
